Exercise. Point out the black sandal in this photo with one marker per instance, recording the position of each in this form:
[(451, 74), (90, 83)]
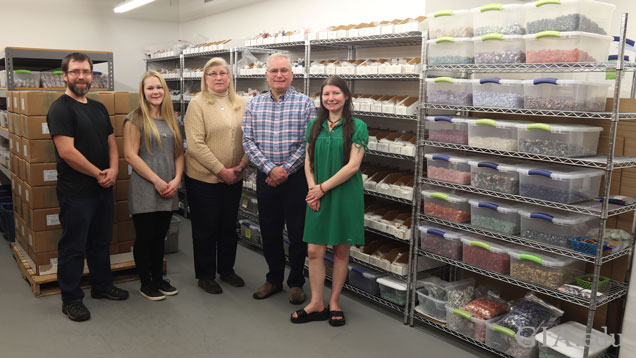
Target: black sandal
[(336, 318), (304, 317)]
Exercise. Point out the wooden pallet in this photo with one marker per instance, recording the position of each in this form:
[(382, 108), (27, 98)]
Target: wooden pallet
[(46, 285)]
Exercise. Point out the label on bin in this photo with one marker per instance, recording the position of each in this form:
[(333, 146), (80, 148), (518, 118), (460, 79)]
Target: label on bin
[(45, 128), (50, 175), (52, 220), (248, 233)]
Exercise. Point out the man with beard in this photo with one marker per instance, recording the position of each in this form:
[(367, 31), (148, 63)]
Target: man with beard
[(87, 165)]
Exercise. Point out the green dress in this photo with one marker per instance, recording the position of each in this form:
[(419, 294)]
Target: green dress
[(340, 219)]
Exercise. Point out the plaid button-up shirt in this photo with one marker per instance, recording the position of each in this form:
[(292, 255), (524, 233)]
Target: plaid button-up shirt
[(274, 131)]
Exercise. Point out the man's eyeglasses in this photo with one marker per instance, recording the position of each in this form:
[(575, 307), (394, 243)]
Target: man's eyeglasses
[(76, 73), (276, 71), (220, 74)]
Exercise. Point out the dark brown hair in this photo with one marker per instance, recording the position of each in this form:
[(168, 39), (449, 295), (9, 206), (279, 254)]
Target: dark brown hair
[(75, 56), (323, 115)]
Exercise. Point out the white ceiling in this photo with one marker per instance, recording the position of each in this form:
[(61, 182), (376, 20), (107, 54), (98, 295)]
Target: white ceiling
[(182, 10)]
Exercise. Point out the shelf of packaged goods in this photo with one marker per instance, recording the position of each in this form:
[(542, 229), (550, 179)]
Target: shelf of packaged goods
[(388, 197), (413, 38), (387, 235), (385, 115), (590, 207), (207, 53), (4, 133), (296, 76), (248, 190), (248, 242), (159, 59), (246, 215), (530, 112), (616, 289), (5, 171), (598, 161), (402, 76), (389, 155), (370, 266), (282, 45), (172, 79), (532, 67), (526, 242)]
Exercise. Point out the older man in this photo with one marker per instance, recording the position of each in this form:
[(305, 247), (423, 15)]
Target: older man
[(273, 137)]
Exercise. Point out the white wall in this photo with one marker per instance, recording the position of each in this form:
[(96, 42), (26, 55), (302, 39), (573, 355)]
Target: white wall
[(84, 25)]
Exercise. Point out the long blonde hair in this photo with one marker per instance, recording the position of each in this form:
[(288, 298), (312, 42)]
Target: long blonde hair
[(144, 122), (231, 93)]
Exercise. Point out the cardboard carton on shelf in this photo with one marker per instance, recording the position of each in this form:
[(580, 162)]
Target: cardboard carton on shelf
[(39, 151), (122, 211), (384, 186), (375, 178), (41, 197), (10, 101), (120, 146), (126, 247), (410, 25), (36, 103), (385, 141), (43, 241), (405, 144), (402, 189), (124, 169), (40, 174), (43, 219), (21, 169), (106, 98), (35, 127), (121, 189), (118, 124), (412, 66), (388, 106), (10, 121), (408, 107), (126, 231)]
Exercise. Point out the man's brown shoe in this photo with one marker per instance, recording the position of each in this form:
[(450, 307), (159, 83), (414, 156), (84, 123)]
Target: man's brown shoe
[(267, 290), (296, 295)]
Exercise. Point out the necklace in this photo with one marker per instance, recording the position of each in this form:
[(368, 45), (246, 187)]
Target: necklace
[(332, 124)]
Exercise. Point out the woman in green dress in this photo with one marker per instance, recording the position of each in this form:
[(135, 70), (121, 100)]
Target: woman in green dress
[(335, 202)]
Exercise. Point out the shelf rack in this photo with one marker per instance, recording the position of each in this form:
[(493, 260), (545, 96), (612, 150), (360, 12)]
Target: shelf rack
[(389, 155)]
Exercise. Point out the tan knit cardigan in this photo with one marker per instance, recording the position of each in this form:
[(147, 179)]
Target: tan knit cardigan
[(214, 136)]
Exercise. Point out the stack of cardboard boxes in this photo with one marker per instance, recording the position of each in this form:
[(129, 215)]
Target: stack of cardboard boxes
[(34, 174)]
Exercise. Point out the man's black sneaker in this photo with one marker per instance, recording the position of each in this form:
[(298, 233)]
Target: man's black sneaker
[(233, 279), (76, 311), (112, 293), (151, 293), (166, 288), (210, 286)]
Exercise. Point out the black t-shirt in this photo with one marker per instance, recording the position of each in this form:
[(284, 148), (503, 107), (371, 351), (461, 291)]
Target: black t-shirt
[(89, 125)]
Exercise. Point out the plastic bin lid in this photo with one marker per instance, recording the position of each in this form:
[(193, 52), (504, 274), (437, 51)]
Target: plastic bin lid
[(97, 73), (58, 72), (495, 7), (498, 205), (365, 272), (447, 12), (451, 198), (329, 258), (574, 344), (469, 316), (497, 123), (558, 82), (447, 39), (446, 119), (496, 80), (540, 3), (559, 128), (556, 217), (497, 37), (539, 257), (503, 166), (561, 173), (437, 283), (627, 41), (448, 157), (448, 235), (564, 35), (447, 80), (485, 244), (392, 283), (22, 71)]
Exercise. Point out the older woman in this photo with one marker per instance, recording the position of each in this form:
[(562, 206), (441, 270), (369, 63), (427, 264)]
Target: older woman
[(214, 165)]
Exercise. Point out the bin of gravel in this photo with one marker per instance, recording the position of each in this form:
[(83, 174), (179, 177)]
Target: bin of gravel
[(498, 48), (560, 140), (496, 92), (569, 15)]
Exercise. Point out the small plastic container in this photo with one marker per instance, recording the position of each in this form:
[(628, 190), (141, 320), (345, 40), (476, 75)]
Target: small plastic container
[(569, 15), (510, 342), (561, 184), (450, 51), (495, 215), (449, 167), (26, 79), (564, 95), (554, 227), (486, 254), (467, 323), (450, 23), (455, 294), (446, 206), (431, 307), (441, 242), (496, 175), (553, 345), (498, 48), (447, 129), (100, 80), (447, 90), (392, 290), (542, 268), (558, 140), (493, 134), (495, 92), (506, 19), (559, 47), (52, 79), (365, 279)]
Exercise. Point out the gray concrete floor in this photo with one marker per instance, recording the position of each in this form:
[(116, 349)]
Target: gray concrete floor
[(197, 324)]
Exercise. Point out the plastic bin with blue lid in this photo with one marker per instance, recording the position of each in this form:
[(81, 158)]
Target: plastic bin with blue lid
[(365, 279), (629, 55), (570, 46), (329, 265), (567, 340), (498, 93), (450, 91), (493, 134), (449, 167), (554, 227), (445, 205), (568, 15), (506, 19), (495, 215), (450, 23), (559, 140), (440, 241), (450, 51), (498, 175), (561, 184), (486, 253), (498, 48), (542, 268), (447, 129), (392, 290), (550, 93)]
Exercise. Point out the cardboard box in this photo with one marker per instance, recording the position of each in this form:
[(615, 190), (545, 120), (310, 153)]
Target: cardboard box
[(115, 238), (106, 98), (21, 169), (17, 124), (121, 190), (10, 121), (120, 146), (43, 241), (43, 259), (126, 102), (35, 127), (39, 151), (118, 124), (121, 209), (12, 140), (40, 174), (21, 229), (10, 101), (34, 103), (41, 197), (124, 169), (126, 231), (126, 246), (43, 219)]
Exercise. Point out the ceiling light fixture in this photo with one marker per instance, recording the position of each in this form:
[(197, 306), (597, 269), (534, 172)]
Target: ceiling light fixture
[(131, 4)]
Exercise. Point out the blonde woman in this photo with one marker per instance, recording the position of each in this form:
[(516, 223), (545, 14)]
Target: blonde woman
[(214, 173), (153, 146)]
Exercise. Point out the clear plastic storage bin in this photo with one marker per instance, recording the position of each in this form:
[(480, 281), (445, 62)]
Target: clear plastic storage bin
[(509, 342), (496, 175), (447, 90), (52, 79), (565, 95), (553, 345), (569, 15), (486, 254), (26, 79), (557, 47), (431, 307), (365, 279), (493, 134), (498, 48), (446, 206), (506, 19), (495, 215), (542, 268), (561, 184), (495, 92), (454, 294), (559, 140), (449, 167), (441, 242), (392, 290), (554, 227), (467, 323), (449, 50), (447, 129), (450, 23)]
